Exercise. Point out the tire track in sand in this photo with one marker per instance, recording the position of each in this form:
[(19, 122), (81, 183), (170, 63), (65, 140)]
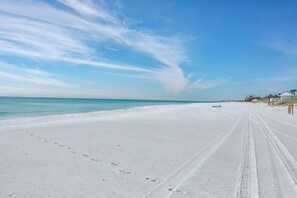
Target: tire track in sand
[(171, 183), (286, 135), (249, 186), (280, 121), (286, 157)]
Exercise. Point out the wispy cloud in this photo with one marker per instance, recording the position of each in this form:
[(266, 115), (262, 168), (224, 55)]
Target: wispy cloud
[(202, 84), (35, 91), (37, 30), (285, 42), (31, 76), (289, 7), (287, 47), (87, 8), (144, 77)]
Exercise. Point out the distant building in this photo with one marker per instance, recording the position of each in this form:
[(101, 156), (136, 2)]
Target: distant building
[(286, 96), (250, 98), (268, 97), (255, 100), (274, 99)]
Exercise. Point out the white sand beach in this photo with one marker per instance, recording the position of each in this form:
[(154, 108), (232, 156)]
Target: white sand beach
[(180, 151)]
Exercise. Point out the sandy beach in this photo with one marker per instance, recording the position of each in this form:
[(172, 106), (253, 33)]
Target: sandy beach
[(191, 150)]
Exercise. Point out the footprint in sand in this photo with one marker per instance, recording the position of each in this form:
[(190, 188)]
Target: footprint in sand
[(151, 179), (180, 191), (114, 163), (60, 145), (68, 148), (72, 152), (96, 160), (125, 171), (55, 143), (85, 155)]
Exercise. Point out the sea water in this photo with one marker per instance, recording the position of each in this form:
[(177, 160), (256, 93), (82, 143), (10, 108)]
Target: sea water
[(13, 107)]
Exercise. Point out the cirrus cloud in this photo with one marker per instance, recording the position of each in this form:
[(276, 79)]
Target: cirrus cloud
[(69, 31)]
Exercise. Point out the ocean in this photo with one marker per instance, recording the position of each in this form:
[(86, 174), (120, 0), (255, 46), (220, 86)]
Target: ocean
[(14, 107)]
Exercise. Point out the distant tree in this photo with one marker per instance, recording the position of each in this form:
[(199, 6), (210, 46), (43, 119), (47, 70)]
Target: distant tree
[(293, 92)]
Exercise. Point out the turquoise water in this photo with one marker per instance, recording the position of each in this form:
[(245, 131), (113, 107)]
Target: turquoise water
[(11, 107)]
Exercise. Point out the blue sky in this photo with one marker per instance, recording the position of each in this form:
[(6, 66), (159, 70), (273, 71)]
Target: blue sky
[(185, 50)]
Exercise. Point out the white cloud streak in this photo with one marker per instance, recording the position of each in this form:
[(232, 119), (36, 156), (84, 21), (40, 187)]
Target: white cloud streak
[(34, 80), (87, 8), (36, 30), (31, 76), (202, 85), (285, 42)]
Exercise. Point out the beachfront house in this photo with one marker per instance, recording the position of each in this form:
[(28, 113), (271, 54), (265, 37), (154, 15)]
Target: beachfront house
[(286, 96), (250, 98), (274, 99)]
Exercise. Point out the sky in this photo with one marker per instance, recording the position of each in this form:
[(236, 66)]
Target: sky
[(147, 49)]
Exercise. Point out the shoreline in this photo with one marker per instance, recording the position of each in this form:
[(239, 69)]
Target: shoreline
[(20, 107), (70, 117)]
